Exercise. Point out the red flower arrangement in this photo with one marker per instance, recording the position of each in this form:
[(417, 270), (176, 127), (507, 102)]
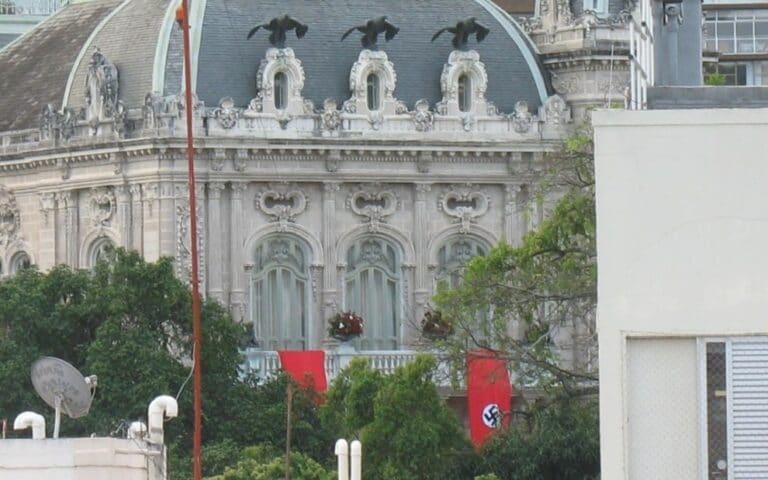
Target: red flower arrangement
[(345, 325)]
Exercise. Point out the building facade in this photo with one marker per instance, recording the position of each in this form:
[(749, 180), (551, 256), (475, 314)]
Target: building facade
[(330, 176)]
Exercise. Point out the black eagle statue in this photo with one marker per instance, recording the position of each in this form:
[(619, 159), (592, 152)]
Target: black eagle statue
[(278, 26), (462, 31), (371, 31)]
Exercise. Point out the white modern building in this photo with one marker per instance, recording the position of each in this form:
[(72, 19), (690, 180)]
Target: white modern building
[(683, 291)]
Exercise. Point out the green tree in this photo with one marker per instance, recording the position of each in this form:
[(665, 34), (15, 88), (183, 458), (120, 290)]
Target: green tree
[(349, 401), (563, 444), (547, 282), (265, 463), (414, 435)]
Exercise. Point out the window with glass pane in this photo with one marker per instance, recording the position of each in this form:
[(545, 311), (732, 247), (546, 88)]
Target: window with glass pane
[(373, 291), (452, 257), (19, 262), (717, 412), (280, 293), (374, 92), (465, 93), (281, 90), (100, 250)]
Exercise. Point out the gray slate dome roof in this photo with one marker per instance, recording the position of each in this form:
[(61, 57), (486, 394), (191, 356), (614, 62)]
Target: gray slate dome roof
[(142, 39)]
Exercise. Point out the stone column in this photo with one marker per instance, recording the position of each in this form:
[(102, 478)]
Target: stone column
[(123, 196), (137, 214), (46, 256), (331, 300), (513, 211), (409, 323), (216, 235), (422, 284), (69, 202), (237, 252), (60, 225), (151, 223)]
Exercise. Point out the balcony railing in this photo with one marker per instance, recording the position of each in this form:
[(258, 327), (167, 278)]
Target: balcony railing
[(30, 7), (265, 363)]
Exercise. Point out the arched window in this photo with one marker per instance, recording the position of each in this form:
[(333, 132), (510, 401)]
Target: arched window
[(373, 291), (280, 289), (452, 257), (465, 93), (100, 249), (281, 90), (19, 262), (373, 92)]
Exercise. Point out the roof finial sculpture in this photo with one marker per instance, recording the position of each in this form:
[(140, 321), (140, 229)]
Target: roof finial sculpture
[(278, 26), (462, 31), (371, 31)]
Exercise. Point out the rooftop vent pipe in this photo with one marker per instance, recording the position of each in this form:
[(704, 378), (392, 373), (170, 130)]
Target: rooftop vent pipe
[(161, 405), (31, 419)]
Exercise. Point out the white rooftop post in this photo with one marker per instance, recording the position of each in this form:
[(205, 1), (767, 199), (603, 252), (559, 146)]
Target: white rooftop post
[(164, 405), (342, 454), (31, 419), (356, 460)]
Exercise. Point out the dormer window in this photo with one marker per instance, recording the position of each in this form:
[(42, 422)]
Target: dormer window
[(465, 93), (373, 92), (281, 90)]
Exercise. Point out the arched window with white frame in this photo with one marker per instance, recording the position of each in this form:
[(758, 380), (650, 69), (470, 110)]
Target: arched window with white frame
[(280, 291), (453, 256), (465, 92), (373, 92), (100, 249), (373, 282), (20, 261), (280, 86)]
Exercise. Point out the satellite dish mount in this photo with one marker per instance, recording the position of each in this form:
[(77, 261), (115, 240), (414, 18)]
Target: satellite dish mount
[(63, 388)]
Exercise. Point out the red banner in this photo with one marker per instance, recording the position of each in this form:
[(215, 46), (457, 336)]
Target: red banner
[(307, 367), (489, 395)]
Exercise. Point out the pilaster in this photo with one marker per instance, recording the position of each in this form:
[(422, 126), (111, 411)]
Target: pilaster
[(216, 235), (123, 196), (46, 255), (237, 251), (331, 302)]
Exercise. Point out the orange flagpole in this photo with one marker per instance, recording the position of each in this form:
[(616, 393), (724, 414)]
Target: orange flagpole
[(182, 16)]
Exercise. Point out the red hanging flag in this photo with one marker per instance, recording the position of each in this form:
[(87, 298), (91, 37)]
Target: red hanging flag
[(489, 395), (307, 367)]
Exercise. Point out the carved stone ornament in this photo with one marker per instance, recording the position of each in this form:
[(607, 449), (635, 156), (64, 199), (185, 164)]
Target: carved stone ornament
[(160, 112), (283, 202), (101, 205), (330, 117), (374, 202), (465, 203), (10, 217), (183, 243), (101, 89), (280, 60), (227, 114), (522, 118), (555, 111), (463, 63), (372, 62), (423, 119)]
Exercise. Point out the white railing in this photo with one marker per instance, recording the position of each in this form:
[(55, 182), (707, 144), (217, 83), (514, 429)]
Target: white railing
[(266, 363), (30, 7), (641, 56)]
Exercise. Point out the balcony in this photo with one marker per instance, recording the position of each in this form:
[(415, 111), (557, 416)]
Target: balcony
[(265, 364), (30, 7)]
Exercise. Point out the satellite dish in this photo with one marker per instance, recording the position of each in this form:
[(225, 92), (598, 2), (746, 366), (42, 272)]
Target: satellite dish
[(63, 388)]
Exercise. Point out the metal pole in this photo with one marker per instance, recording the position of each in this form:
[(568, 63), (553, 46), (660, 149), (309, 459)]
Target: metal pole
[(197, 466)]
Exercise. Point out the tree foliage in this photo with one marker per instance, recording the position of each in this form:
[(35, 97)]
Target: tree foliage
[(263, 462), (516, 299)]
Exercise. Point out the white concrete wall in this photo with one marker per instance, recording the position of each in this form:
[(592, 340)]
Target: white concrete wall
[(682, 229), (80, 459)]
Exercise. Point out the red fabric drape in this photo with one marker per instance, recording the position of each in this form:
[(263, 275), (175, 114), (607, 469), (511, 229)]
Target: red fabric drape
[(307, 367), (489, 395)]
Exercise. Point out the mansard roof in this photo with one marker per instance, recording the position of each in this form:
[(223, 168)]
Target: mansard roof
[(49, 65)]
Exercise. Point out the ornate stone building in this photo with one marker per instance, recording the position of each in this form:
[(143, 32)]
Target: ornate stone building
[(330, 176)]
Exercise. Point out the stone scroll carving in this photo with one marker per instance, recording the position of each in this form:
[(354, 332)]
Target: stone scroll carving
[(101, 206), (374, 203), (465, 204), (282, 202)]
